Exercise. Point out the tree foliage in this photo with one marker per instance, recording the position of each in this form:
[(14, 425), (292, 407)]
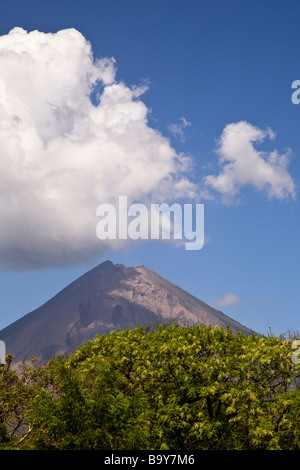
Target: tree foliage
[(169, 387)]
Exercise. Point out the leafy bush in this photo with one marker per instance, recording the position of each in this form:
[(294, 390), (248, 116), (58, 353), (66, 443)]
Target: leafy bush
[(169, 387)]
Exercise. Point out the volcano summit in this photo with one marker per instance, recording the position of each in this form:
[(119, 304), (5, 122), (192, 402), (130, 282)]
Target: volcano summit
[(108, 297)]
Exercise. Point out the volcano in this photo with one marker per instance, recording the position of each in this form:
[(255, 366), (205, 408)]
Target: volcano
[(108, 297)]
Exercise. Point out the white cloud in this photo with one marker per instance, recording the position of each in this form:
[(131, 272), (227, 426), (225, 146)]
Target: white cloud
[(62, 155), (242, 164), (177, 129), (226, 300)]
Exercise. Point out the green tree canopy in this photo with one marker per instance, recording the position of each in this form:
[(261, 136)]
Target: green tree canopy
[(169, 387)]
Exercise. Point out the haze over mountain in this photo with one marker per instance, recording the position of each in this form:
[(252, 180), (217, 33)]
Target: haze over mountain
[(108, 297)]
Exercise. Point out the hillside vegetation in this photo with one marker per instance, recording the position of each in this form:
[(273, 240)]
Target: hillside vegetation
[(169, 387)]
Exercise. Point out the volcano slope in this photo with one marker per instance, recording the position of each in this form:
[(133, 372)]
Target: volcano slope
[(108, 297)]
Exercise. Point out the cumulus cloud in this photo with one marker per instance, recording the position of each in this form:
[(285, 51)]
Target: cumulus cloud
[(242, 164), (226, 300), (63, 153)]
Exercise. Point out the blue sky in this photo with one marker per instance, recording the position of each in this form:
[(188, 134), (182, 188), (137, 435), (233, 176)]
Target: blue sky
[(214, 63)]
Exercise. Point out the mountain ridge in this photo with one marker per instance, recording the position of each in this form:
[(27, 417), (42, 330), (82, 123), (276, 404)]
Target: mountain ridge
[(107, 297)]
